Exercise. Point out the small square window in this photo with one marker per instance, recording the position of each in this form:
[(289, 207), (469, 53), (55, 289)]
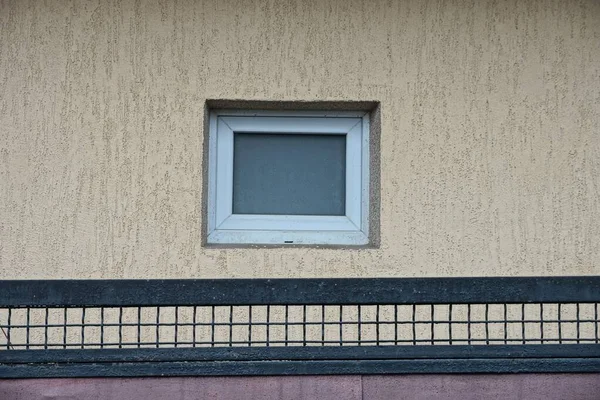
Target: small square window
[(280, 177)]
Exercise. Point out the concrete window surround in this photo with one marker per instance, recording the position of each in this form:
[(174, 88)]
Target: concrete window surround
[(358, 122)]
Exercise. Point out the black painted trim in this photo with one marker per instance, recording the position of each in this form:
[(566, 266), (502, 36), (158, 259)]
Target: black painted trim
[(300, 353), (299, 360), (115, 293), (287, 367)]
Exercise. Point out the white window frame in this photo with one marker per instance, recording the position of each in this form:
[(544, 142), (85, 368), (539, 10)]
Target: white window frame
[(224, 227)]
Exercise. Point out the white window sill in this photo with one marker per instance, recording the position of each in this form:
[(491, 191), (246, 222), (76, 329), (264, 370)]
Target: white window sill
[(344, 238), (287, 223)]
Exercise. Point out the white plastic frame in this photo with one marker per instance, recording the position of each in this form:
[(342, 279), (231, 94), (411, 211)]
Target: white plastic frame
[(224, 227)]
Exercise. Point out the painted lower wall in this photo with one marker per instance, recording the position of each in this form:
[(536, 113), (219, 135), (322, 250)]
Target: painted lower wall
[(413, 387), (490, 143)]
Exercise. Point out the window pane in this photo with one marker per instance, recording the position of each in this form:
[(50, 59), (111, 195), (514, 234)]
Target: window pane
[(289, 174)]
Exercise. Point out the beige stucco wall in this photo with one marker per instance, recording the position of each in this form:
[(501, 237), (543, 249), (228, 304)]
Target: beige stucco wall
[(490, 146)]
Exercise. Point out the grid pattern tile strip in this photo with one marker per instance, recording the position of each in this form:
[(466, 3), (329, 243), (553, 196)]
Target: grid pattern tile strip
[(30, 328)]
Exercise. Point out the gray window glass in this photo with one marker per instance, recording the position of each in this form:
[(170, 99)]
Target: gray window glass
[(289, 174)]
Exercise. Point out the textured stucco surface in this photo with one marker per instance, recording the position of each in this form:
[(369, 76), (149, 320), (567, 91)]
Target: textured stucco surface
[(490, 147)]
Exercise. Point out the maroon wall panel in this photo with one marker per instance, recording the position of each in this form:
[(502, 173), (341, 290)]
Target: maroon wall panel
[(479, 387), (201, 388), (413, 387)]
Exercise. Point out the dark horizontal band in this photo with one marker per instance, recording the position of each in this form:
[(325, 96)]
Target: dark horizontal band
[(309, 353), (116, 293), (288, 367)]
